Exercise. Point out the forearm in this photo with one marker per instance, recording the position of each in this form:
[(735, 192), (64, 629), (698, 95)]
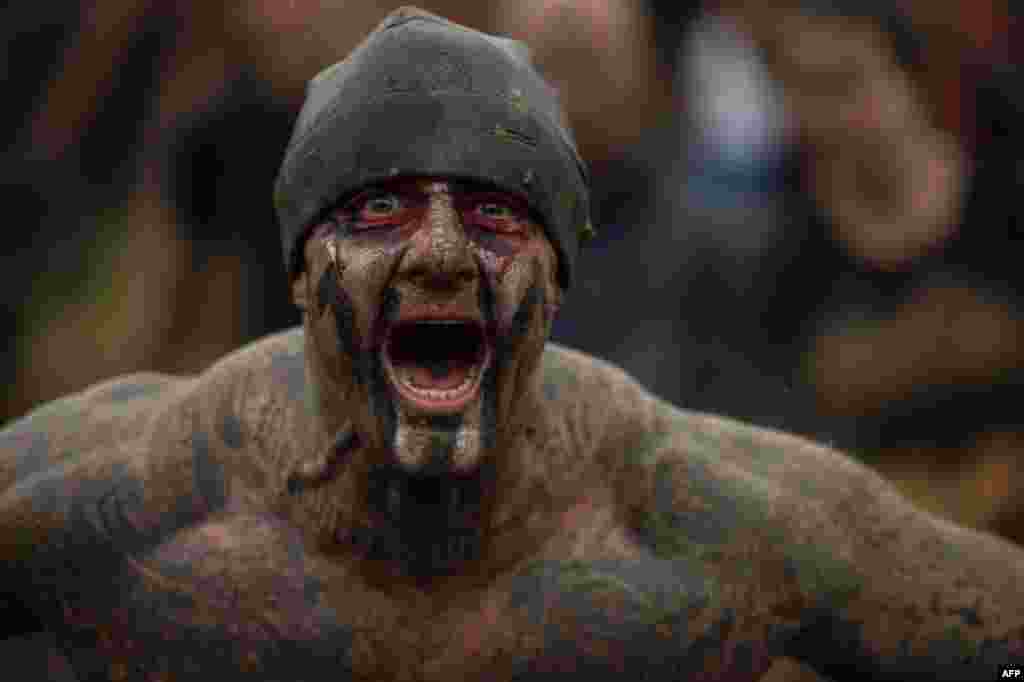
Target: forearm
[(939, 602)]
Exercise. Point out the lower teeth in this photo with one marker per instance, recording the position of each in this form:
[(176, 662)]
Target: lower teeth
[(440, 393)]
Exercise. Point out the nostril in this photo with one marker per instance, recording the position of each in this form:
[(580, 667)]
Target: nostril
[(466, 272), (442, 277), (445, 268)]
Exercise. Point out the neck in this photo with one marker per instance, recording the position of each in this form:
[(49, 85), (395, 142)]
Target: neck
[(424, 526)]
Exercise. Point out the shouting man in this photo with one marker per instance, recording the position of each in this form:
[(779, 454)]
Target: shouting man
[(413, 486)]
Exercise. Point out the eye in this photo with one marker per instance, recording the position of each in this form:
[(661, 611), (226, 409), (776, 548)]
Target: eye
[(381, 205), (496, 214), (378, 209), (496, 211)]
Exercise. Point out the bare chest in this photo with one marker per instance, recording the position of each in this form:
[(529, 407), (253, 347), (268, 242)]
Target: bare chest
[(246, 599)]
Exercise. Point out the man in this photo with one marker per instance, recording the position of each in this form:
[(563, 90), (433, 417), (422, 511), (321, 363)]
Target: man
[(413, 486)]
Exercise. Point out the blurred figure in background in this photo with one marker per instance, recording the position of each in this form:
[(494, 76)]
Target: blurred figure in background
[(91, 175), (898, 270), (696, 234)]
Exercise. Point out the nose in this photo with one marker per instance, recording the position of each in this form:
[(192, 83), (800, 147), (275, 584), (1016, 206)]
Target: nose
[(439, 255)]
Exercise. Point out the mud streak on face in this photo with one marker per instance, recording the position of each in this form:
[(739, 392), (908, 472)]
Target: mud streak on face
[(489, 382), (520, 325), (330, 295), (371, 365), (494, 243)]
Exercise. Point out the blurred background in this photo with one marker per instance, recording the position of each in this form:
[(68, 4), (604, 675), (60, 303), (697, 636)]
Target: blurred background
[(807, 211)]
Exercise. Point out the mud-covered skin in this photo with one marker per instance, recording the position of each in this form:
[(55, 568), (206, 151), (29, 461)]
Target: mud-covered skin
[(149, 533)]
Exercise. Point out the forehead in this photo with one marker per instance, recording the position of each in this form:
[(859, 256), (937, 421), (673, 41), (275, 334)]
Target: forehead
[(437, 184)]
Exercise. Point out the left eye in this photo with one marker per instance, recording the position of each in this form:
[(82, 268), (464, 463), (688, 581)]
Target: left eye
[(496, 211)]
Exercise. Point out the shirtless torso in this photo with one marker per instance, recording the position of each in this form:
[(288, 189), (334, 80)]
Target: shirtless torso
[(648, 541)]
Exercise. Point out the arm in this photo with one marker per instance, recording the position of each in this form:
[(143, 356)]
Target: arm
[(872, 588), (937, 601), (811, 555), (94, 479)]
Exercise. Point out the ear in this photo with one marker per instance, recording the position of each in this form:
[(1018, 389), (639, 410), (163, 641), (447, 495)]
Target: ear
[(300, 290)]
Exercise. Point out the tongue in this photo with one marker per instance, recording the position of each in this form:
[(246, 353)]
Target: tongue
[(441, 375)]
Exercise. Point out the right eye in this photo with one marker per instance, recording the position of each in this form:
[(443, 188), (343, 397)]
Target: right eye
[(381, 209), (381, 205)]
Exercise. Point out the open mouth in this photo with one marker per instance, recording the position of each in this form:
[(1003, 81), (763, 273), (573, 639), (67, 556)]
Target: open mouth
[(436, 365)]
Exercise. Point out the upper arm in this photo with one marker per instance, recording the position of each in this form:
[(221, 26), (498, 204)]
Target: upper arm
[(883, 589), (888, 590), (938, 601), (824, 559), (63, 430)]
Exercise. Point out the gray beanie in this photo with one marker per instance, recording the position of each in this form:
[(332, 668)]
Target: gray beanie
[(422, 95)]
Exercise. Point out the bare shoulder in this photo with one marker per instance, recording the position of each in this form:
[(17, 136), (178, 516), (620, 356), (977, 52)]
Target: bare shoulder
[(600, 404), (258, 411), (150, 406), (137, 457), (263, 380), (117, 410), (571, 373)]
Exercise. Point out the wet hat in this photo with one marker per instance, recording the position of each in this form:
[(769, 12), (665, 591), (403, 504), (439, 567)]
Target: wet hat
[(422, 95)]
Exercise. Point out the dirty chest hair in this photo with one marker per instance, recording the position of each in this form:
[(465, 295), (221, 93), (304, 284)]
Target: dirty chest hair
[(424, 96)]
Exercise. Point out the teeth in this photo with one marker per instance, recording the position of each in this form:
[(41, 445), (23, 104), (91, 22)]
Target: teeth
[(403, 377), (438, 393)]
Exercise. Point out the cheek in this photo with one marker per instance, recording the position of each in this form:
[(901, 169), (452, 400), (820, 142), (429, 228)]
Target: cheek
[(330, 296), (366, 275), (495, 250), (328, 318), (525, 290)]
